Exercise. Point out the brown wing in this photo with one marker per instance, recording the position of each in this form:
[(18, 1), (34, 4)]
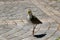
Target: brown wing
[(35, 20)]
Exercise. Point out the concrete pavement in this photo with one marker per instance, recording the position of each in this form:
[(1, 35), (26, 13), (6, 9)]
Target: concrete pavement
[(14, 24)]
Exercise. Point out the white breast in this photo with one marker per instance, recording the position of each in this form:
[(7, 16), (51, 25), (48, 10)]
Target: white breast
[(28, 17)]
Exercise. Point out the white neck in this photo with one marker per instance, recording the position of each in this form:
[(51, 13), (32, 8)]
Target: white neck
[(29, 16)]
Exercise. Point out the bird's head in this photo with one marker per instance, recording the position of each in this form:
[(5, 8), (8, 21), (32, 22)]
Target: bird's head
[(29, 12)]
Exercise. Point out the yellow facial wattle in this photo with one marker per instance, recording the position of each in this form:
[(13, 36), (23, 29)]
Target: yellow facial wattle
[(29, 11)]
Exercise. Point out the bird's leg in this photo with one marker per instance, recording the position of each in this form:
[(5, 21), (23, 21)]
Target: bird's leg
[(34, 26)]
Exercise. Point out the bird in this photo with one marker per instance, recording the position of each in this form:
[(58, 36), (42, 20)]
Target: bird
[(33, 19)]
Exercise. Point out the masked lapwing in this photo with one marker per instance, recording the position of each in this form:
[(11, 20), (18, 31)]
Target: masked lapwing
[(33, 19)]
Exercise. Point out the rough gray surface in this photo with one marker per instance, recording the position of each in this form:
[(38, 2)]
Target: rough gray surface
[(14, 25), (53, 3)]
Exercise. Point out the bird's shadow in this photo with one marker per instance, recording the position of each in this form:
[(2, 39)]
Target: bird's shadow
[(39, 36)]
